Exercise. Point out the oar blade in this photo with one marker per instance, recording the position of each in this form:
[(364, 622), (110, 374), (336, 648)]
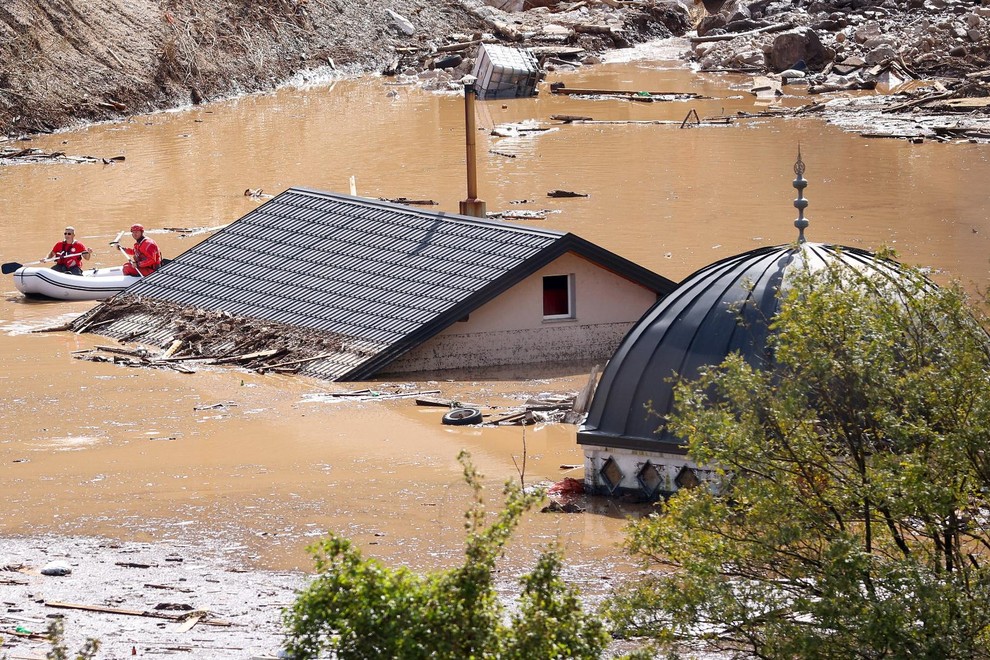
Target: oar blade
[(10, 267)]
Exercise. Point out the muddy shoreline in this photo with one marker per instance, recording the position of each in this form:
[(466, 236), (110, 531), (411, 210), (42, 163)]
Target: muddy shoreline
[(65, 62), (149, 599)]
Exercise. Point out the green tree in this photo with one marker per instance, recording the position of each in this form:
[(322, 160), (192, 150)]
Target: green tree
[(849, 514), (358, 608)]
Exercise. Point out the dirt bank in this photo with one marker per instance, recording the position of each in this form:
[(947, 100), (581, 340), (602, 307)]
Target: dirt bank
[(68, 61)]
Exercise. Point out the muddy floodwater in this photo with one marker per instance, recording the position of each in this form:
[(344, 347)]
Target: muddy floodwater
[(260, 464)]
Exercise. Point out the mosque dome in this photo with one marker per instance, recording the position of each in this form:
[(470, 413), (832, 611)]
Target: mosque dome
[(721, 309)]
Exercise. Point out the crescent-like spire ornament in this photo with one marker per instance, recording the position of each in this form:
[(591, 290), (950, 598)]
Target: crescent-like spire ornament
[(800, 203)]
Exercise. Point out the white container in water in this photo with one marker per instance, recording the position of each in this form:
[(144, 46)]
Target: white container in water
[(505, 72)]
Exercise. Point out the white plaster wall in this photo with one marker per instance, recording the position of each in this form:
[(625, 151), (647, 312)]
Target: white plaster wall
[(631, 462), (511, 328)]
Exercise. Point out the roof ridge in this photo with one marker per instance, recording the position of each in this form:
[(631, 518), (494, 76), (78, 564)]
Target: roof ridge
[(403, 208)]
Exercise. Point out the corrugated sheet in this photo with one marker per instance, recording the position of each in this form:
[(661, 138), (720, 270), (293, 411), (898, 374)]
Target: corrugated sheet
[(384, 275)]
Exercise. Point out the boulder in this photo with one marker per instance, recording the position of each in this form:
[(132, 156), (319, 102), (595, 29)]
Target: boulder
[(401, 23), (672, 15), (797, 45), (880, 55), (709, 23), (744, 25), (749, 58)]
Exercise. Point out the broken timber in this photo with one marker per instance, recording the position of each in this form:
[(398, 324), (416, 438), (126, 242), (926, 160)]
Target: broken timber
[(146, 613), (366, 395), (33, 155), (632, 95), (406, 200), (708, 121)]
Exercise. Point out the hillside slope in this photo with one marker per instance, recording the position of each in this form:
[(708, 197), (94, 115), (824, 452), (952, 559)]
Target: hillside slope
[(68, 61)]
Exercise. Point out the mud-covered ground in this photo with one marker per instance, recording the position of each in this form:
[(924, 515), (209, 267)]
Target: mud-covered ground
[(150, 599)]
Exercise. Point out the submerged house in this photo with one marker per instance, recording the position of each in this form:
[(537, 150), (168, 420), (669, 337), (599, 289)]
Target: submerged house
[(723, 308), (364, 288)]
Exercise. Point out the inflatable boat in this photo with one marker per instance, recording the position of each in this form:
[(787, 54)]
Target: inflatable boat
[(94, 284)]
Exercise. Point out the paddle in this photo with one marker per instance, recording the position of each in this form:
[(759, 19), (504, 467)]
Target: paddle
[(131, 261), (11, 266)]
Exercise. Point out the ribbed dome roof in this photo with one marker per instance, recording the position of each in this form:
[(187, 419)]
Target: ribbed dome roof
[(723, 308)]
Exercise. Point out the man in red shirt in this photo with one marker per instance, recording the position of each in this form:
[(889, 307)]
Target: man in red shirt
[(146, 255), (69, 253)]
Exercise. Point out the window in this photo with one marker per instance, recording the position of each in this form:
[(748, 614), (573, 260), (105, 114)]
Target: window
[(557, 297)]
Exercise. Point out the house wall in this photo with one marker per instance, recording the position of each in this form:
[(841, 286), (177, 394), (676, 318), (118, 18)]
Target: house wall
[(511, 329)]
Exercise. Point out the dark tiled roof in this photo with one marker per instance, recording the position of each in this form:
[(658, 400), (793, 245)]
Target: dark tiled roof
[(383, 276), (721, 309)]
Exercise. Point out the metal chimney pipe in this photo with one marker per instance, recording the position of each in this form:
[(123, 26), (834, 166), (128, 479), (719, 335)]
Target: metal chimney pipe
[(472, 205)]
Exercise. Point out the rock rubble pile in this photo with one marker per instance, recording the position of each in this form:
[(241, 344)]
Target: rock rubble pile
[(931, 38)]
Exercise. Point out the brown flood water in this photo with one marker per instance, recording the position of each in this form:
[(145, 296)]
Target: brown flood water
[(96, 449)]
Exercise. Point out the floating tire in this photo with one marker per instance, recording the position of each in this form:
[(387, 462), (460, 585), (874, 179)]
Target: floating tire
[(462, 416)]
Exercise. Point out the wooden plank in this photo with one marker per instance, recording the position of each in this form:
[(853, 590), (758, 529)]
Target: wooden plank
[(508, 419), (299, 361), (172, 349), (405, 395), (619, 92), (119, 610), (150, 585), (976, 102), (189, 623), (99, 608), (463, 45), (132, 352), (250, 356), (431, 401), (717, 121), (569, 118)]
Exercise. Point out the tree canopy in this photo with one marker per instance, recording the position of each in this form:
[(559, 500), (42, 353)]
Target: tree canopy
[(850, 510)]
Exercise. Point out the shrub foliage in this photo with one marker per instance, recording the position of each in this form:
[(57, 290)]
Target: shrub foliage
[(359, 608)]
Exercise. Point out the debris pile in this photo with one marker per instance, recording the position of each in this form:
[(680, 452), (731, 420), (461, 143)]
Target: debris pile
[(947, 38), (191, 336), (566, 496), (544, 409), (930, 61), (561, 34), (33, 155)]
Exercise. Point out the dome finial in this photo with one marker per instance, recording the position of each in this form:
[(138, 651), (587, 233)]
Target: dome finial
[(800, 203)]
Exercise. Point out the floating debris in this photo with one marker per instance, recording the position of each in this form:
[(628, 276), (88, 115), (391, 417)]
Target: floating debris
[(33, 155), (522, 214), (565, 193), (406, 200)]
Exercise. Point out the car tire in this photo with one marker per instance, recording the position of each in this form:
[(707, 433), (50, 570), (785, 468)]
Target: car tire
[(462, 417)]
